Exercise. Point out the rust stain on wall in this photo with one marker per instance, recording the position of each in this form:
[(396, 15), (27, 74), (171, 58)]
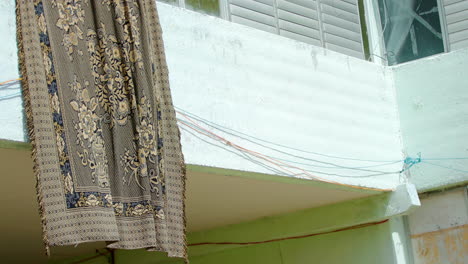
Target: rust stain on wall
[(445, 246)]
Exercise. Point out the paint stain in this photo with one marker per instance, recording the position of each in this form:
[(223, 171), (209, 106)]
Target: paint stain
[(313, 55), (417, 104), (235, 43), (442, 246)]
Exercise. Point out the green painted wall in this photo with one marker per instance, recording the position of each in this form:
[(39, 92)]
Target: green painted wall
[(368, 245), (383, 243), (23, 242)]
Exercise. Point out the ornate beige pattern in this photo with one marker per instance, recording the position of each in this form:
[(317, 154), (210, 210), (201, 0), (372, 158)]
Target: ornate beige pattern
[(106, 145), (89, 133), (136, 163), (127, 15), (113, 77), (71, 19)]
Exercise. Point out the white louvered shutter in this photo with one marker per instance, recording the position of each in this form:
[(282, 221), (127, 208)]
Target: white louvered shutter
[(342, 27), (456, 17), (259, 14), (299, 20), (333, 24)]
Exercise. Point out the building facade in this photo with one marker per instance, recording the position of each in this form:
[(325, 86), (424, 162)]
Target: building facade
[(311, 132)]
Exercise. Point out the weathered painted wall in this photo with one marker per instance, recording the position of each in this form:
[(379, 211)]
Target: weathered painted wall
[(433, 101), (282, 91), (271, 87), (304, 97), (365, 230), (362, 246), (379, 243), (352, 246), (21, 233), (439, 229)]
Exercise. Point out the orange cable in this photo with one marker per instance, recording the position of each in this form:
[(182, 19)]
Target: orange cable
[(234, 145), (289, 238), (9, 81), (100, 254), (256, 154)]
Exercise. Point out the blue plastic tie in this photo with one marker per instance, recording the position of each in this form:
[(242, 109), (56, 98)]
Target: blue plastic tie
[(409, 162)]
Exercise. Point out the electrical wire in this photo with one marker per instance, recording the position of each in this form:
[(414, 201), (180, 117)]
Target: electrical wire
[(334, 167), (242, 155), (379, 173), (376, 173), (408, 163), (216, 135), (292, 237), (223, 128), (445, 167), (281, 165), (268, 158), (329, 167), (381, 35), (111, 252), (305, 170), (6, 85), (9, 81), (256, 154), (460, 158), (280, 162), (10, 96)]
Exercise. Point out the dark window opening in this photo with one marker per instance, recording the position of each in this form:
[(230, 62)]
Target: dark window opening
[(411, 29)]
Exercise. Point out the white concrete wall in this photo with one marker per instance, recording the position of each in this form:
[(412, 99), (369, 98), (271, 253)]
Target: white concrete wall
[(276, 89), (280, 90), (11, 114), (433, 103)]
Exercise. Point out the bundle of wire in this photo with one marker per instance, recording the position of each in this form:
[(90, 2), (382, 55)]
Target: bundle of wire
[(298, 162), (10, 85), (209, 132)]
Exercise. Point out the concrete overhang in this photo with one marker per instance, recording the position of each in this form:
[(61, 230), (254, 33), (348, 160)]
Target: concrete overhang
[(215, 198)]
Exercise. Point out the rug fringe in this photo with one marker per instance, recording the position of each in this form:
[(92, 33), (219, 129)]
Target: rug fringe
[(29, 121)]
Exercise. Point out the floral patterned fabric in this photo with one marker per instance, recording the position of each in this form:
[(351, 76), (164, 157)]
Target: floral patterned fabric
[(105, 140)]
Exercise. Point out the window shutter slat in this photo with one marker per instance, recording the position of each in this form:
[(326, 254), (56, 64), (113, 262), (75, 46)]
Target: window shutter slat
[(311, 4), (458, 26), (341, 27), (456, 7), (311, 22), (341, 6), (297, 9), (254, 24), (449, 2), (298, 29), (344, 42), (254, 6), (253, 15), (339, 31), (344, 50), (456, 17), (301, 38), (334, 24), (458, 36), (299, 20), (460, 44)]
